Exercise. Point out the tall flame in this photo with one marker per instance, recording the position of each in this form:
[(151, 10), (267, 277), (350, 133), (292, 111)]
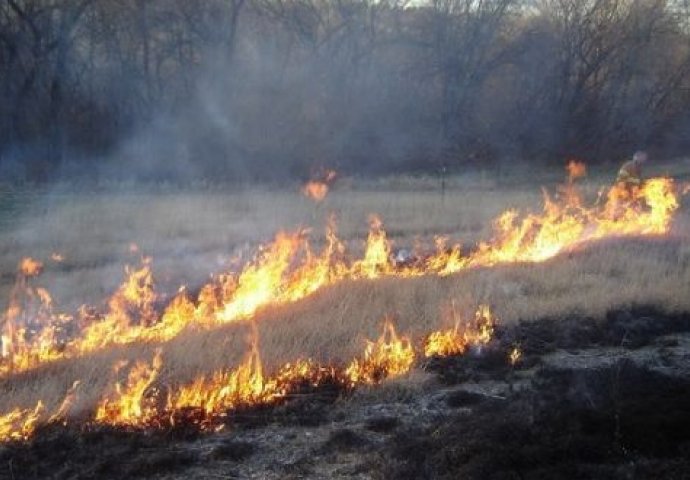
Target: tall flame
[(129, 403)]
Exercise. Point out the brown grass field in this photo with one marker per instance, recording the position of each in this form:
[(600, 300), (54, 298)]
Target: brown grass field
[(193, 233)]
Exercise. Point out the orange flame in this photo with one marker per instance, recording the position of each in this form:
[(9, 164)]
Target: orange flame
[(457, 340), (575, 169), (389, 356), (515, 356), (130, 404), (20, 424), (317, 189), (30, 267), (288, 269)]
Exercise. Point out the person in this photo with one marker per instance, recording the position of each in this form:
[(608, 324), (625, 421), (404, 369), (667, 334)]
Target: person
[(630, 174)]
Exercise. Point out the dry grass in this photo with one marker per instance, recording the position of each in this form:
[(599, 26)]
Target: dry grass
[(192, 234)]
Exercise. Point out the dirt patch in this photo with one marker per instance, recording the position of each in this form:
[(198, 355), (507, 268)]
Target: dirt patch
[(630, 328), (622, 421), (106, 453)]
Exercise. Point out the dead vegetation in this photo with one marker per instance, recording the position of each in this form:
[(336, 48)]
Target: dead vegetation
[(186, 232), (595, 296)]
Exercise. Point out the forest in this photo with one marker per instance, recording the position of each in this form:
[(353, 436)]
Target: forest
[(265, 90)]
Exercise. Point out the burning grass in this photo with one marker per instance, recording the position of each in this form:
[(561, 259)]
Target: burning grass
[(139, 319), (288, 270), (615, 418), (141, 401)]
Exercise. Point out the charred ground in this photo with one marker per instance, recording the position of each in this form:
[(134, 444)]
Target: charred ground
[(590, 398)]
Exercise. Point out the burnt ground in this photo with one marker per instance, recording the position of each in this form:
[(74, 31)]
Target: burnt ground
[(591, 398)]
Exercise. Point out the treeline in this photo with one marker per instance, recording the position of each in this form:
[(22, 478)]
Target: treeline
[(246, 89)]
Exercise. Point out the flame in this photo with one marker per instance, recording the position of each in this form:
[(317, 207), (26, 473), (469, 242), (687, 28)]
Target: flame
[(129, 404), (57, 257), (289, 269), (30, 267), (376, 261), (28, 334), (65, 408), (389, 356), (317, 189), (244, 385), (575, 169), (515, 356), (20, 424), (564, 226), (136, 403), (457, 340), (248, 385)]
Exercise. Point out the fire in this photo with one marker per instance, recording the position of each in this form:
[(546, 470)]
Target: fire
[(389, 356), (515, 356), (244, 385), (142, 401), (575, 169), (457, 340), (57, 257), (29, 330), (317, 189), (30, 267), (20, 424), (290, 268), (564, 226), (283, 271), (138, 402), (376, 261), (129, 404), (248, 385), (260, 282)]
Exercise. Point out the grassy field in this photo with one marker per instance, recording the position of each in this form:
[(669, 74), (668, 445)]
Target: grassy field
[(193, 233)]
